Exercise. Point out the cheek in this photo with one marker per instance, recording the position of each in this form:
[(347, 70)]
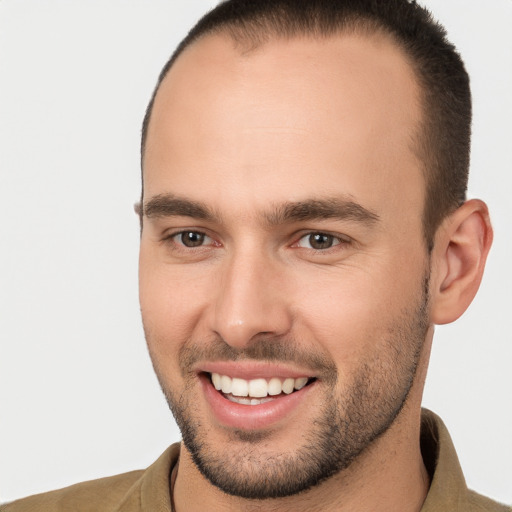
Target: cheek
[(171, 304), (353, 313)]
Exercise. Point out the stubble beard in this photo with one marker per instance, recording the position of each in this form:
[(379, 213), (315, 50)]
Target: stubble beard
[(347, 425)]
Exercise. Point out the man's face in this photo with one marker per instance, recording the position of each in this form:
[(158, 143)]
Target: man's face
[(282, 247)]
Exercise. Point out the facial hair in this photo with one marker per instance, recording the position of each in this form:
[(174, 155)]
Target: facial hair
[(349, 422)]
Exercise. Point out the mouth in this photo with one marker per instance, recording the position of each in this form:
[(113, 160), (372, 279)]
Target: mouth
[(255, 398), (257, 391)]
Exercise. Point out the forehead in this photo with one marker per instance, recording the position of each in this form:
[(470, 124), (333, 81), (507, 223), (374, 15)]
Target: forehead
[(292, 115)]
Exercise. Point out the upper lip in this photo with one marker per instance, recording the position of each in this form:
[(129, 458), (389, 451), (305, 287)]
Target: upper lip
[(253, 370)]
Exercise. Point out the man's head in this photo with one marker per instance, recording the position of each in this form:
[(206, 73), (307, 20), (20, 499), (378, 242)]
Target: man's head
[(283, 241), (442, 138)]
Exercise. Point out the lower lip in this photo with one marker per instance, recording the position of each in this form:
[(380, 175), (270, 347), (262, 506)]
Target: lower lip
[(252, 417)]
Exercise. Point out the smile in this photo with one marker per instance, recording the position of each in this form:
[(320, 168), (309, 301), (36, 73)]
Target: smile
[(256, 391), (254, 395), (257, 388)]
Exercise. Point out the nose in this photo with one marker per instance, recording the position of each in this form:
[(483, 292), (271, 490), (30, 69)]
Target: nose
[(250, 301)]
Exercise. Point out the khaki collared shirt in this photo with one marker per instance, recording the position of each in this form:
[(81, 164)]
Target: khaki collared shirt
[(148, 490)]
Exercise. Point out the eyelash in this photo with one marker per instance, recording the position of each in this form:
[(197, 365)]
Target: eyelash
[(335, 240)]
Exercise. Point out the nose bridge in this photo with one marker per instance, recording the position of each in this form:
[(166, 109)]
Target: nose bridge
[(249, 301)]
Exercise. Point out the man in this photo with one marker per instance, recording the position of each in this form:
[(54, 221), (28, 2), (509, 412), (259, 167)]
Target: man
[(303, 227)]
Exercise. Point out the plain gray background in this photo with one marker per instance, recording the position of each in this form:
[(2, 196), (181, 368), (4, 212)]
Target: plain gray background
[(78, 399)]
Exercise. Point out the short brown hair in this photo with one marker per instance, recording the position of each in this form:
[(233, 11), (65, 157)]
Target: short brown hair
[(443, 144)]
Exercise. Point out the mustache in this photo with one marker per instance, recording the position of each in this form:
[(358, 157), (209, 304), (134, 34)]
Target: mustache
[(262, 349)]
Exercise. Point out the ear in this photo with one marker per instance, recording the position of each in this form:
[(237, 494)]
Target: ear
[(461, 246)]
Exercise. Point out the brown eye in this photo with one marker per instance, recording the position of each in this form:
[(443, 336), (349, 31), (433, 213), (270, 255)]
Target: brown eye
[(318, 241), (191, 238), (321, 241)]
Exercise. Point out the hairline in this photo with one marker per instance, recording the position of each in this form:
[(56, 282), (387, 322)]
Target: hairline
[(247, 43)]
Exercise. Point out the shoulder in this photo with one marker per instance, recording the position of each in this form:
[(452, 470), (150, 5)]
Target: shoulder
[(129, 492), (94, 495), (479, 503), (448, 489)]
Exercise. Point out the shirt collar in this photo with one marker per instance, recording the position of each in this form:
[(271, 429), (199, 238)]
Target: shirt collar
[(448, 486)]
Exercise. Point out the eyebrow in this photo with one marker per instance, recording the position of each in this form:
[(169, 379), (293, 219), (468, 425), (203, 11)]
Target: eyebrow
[(319, 209), (169, 205)]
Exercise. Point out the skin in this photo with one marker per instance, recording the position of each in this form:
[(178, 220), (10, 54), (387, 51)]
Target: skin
[(243, 135)]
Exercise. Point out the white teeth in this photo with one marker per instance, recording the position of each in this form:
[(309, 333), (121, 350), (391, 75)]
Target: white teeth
[(274, 386), (240, 387), (258, 388), (216, 381), (226, 384), (288, 386), (255, 388), (248, 401), (300, 383)]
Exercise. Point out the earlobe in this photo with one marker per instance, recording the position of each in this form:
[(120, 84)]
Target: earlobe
[(459, 255)]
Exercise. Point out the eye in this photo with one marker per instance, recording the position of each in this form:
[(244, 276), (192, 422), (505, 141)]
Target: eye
[(191, 239), (318, 241)]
